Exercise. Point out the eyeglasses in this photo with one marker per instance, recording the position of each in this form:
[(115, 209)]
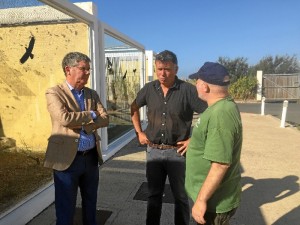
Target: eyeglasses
[(83, 69)]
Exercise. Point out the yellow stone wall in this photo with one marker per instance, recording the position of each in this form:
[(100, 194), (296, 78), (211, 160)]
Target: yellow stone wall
[(23, 113)]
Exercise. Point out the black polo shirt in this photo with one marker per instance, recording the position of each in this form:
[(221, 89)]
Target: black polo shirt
[(169, 118)]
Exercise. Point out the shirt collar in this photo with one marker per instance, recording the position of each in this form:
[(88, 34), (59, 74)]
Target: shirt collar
[(73, 89)]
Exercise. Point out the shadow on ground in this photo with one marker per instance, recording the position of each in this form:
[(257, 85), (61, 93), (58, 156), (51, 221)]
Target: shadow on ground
[(257, 192)]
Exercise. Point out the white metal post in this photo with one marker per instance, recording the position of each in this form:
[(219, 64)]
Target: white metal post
[(149, 61), (259, 77), (263, 106), (283, 116)]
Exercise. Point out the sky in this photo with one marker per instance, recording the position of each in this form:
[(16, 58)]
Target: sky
[(204, 30)]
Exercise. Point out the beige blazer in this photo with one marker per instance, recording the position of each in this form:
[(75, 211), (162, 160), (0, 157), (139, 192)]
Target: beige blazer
[(67, 121)]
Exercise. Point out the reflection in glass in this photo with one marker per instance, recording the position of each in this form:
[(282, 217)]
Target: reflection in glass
[(5, 4), (33, 41), (123, 67)]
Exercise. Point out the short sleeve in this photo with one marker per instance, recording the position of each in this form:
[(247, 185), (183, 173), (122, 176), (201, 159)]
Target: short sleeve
[(141, 97)]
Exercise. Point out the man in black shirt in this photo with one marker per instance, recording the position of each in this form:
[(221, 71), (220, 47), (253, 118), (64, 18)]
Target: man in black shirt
[(171, 104)]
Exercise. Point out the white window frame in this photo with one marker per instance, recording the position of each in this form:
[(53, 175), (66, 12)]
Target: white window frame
[(43, 197)]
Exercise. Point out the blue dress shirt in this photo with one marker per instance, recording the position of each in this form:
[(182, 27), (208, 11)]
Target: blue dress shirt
[(86, 141)]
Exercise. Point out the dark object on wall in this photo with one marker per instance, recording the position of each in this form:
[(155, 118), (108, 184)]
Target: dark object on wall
[(124, 76), (109, 63), (109, 66), (28, 52), (1, 129)]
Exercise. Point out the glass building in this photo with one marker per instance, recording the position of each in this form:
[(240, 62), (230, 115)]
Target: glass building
[(34, 37)]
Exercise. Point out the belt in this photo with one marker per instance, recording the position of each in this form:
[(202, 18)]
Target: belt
[(162, 146), (84, 153)]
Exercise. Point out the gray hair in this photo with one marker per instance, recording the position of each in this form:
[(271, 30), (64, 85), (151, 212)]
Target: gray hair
[(166, 56), (73, 58)]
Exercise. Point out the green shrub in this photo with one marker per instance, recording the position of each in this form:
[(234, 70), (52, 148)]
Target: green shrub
[(244, 88)]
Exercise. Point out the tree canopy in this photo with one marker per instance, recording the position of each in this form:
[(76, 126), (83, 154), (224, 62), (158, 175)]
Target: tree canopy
[(278, 65), (239, 66)]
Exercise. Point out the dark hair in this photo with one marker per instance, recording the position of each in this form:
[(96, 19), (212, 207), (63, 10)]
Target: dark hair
[(73, 58), (166, 56)]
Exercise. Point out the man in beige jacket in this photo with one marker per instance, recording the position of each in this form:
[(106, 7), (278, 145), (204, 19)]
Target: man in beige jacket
[(73, 150)]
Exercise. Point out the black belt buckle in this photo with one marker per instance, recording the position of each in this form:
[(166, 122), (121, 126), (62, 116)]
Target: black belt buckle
[(85, 152)]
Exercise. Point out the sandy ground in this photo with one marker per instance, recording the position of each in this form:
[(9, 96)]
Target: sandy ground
[(270, 163)]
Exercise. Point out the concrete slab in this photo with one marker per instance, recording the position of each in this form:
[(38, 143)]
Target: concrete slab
[(270, 161)]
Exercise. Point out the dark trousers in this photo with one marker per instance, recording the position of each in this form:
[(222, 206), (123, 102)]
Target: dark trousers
[(160, 164), (83, 173), (218, 218)]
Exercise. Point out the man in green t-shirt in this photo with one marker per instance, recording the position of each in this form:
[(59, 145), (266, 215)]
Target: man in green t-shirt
[(213, 155)]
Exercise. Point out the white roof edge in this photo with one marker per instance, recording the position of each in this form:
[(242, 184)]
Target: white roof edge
[(35, 14)]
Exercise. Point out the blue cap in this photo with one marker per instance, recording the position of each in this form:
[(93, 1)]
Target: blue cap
[(212, 73)]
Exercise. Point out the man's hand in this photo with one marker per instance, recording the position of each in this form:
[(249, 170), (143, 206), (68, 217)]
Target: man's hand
[(212, 181), (198, 211), (97, 113), (142, 138), (182, 146)]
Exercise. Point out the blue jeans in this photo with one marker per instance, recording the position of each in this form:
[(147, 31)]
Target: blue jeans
[(160, 164), (83, 173)]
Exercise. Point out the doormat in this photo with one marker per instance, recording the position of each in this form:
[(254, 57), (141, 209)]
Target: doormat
[(101, 216), (142, 193)]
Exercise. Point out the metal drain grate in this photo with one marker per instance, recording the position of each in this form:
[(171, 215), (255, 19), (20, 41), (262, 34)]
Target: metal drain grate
[(142, 193), (102, 216)]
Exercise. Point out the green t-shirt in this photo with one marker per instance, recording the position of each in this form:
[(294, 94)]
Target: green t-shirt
[(217, 136)]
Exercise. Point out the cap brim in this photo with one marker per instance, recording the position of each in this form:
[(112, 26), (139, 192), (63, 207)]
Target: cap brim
[(194, 76)]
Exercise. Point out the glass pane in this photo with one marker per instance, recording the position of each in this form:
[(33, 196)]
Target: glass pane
[(5, 4), (33, 41), (123, 70)]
